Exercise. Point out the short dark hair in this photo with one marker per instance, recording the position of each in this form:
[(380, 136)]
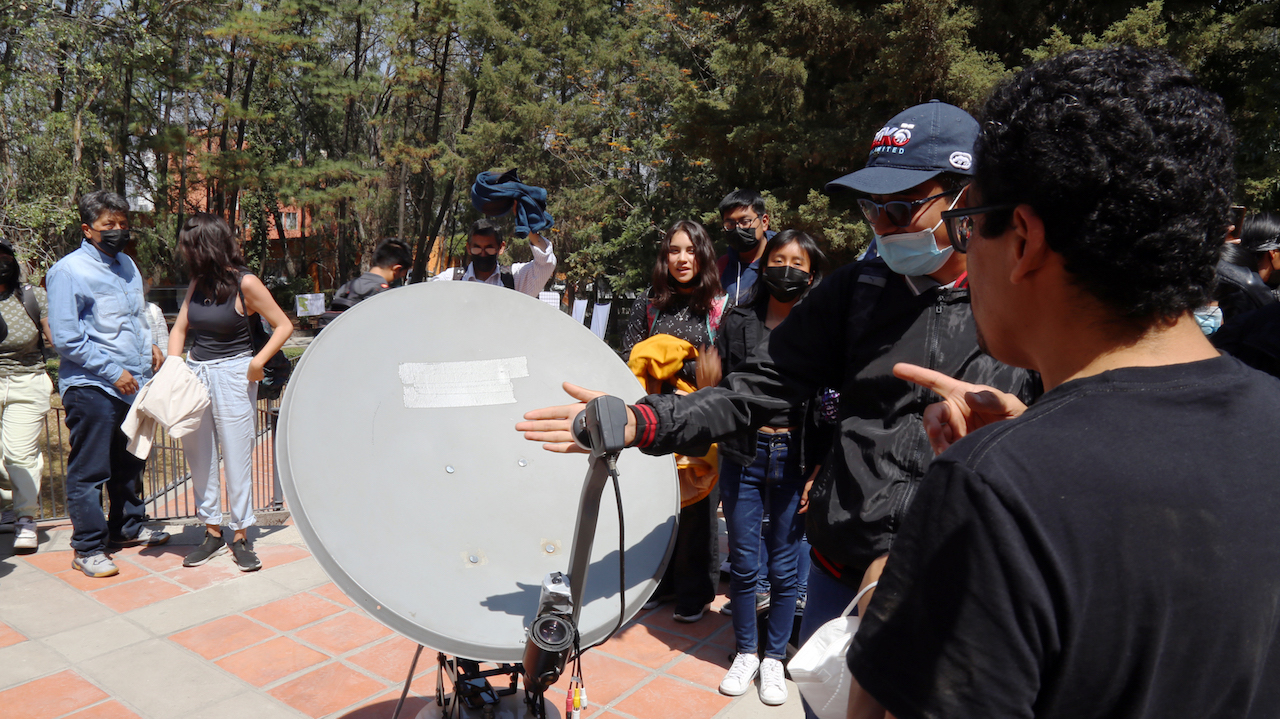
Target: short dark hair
[(706, 286), (817, 262), (391, 252), (742, 198), (1129, 164), (94, 204), (1259, 231), (486, 229)]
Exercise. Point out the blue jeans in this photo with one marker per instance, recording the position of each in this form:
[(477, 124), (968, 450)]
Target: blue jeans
[(773, 481), (827, 599), (98, 457)]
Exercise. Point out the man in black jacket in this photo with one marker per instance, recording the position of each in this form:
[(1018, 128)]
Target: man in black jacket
[(911, 304)]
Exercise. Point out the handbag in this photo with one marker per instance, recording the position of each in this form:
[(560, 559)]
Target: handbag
[(819, 669), (275, 374)]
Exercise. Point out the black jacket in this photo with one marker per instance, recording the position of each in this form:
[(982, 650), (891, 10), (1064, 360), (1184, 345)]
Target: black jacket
[(847, 335), (741, 331)]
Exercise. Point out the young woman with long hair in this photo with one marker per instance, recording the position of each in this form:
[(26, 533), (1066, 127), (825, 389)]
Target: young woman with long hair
[(687, 303), (221, 301)]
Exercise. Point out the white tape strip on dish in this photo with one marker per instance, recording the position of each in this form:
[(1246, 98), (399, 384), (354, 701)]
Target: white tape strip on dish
[(461, 384)]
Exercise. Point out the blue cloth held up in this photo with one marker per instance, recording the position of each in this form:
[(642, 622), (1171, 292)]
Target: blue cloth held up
[(492, 194)]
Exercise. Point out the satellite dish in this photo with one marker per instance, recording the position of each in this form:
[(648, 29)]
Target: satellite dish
[(399, 459)]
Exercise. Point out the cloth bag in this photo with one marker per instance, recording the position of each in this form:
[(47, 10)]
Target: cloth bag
[(819, 669)]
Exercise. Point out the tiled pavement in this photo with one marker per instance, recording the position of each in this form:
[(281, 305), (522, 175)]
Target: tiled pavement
[(160, 640)]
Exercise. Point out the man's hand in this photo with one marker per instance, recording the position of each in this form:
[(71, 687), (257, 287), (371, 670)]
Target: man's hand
[(157, 358), (127, 384), (255, 372), (708, 370), (964, 406), (554, 425)]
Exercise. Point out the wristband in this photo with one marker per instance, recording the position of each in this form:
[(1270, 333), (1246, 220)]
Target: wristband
[(646, 425)]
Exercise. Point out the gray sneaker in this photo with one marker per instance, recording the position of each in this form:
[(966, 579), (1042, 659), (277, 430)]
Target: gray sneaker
[(94, 565), (246, 560), (211, 547), (147, 537)]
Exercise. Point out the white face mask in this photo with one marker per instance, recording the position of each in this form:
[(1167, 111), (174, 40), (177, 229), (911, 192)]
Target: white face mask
[(914, 253)]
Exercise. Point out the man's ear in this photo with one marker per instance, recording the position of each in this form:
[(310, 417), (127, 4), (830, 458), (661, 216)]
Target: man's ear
[(84, 229), (764, 222), (1031, 250)]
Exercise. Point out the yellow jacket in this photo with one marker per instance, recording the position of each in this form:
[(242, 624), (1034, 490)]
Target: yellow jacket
[(656, 362)]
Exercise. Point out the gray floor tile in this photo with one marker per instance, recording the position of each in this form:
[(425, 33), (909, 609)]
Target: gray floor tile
[(28, 660), (162, 680), (255, 705), (48, 606), (14, 571), (299, 576), (171, 615), (97, 639)]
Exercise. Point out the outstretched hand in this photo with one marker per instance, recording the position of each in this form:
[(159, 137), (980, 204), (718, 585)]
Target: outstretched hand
[(964, 407), (553, 426)]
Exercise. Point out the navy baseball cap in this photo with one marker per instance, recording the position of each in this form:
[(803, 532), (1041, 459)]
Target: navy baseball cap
[(917, 145)]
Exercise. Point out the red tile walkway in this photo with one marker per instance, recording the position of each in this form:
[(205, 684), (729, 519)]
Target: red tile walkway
[(160, 641)]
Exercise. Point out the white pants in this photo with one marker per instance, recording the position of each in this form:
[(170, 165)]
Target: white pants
[(24, 401), (229, 420)]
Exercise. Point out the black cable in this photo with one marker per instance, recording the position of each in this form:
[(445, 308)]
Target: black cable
[(407, 680), (622, 563)]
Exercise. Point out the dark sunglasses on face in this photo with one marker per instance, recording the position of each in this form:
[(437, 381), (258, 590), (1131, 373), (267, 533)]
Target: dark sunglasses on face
[(960, 223), (899, 212)]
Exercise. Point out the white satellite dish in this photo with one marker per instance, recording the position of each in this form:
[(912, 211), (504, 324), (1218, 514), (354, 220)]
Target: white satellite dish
[(403, 471)]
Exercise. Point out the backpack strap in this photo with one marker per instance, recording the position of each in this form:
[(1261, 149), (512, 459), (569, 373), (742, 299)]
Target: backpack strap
[(508, 279), (458, 272), (32, 306)]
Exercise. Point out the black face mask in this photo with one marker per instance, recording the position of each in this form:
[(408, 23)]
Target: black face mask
[(484, 263), (113, 241), (785, 283), (741, 239)]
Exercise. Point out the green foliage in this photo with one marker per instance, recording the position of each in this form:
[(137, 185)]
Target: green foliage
[(373, 118)]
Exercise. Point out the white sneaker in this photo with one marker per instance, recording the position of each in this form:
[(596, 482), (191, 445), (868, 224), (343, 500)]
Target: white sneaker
[(773, 685), (744, 669), (25, 536), (7, 519)]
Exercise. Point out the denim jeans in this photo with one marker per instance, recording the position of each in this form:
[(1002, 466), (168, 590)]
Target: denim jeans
[(827, 599), (773, 483), (98, 457), (802, 566), (229, 422)]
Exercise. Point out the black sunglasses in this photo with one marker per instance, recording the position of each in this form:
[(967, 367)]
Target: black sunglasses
[(899, 212), (960, 226)]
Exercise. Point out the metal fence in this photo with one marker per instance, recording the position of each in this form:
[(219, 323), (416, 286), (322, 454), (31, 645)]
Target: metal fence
[(166, 488)]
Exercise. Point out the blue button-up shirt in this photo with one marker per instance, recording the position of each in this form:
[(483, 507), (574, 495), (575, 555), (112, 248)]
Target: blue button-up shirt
[(97, 316)]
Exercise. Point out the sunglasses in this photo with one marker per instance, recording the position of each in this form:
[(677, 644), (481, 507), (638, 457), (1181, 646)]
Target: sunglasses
[(960, 225), (899, 212)]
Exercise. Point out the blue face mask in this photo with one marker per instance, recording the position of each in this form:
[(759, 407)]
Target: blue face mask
[(914, 253), (1209, 319)]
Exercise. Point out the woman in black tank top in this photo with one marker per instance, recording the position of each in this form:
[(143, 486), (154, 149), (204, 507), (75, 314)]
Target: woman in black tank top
[(222, 299)]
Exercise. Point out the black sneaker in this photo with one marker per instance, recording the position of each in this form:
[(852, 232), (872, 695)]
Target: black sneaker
[(246, 560), (211, 547)]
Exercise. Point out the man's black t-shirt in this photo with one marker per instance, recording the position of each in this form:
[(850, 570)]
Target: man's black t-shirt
[(1114, 552)]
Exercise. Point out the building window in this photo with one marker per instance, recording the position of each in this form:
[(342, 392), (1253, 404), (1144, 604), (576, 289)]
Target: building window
[(291, 220)]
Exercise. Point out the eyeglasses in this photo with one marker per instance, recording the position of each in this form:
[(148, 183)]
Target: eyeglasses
[(730, 225), (477, 251), (899, 212), (960, 225)]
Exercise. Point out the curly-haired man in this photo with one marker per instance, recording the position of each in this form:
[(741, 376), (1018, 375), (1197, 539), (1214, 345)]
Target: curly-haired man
[(1112, 551)]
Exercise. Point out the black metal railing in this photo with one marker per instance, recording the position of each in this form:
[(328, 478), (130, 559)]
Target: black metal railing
[(166, 483)]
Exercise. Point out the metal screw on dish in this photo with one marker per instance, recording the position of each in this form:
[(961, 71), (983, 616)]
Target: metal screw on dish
[(523, 463), (449, 469), (551, 548), (473, 559)]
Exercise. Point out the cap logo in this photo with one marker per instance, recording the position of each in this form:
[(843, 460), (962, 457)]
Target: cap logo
[(892, 139), (961, 160)]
